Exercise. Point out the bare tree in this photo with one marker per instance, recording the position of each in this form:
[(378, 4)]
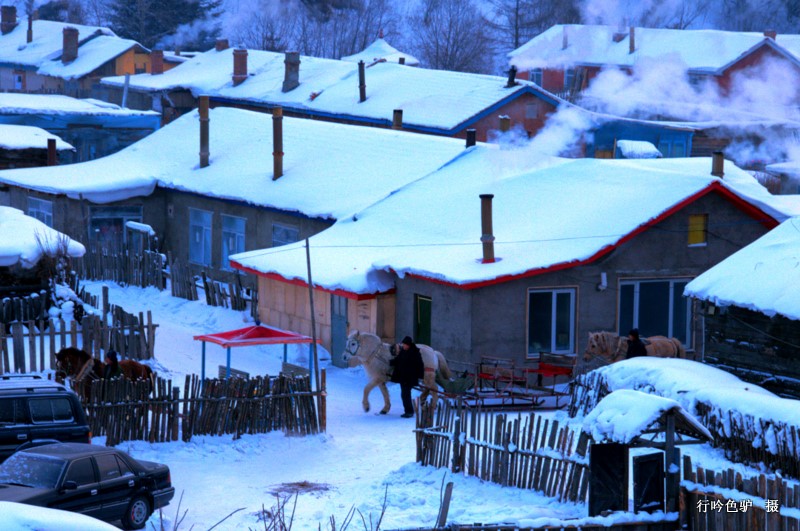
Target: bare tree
[(452, 35), (268, 27)]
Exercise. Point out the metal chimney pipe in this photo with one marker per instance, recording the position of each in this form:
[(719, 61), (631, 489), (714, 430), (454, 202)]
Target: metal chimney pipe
[(277, 143), (564, 38), (397, 119), (505, 123), (8, 19), (470, 137), (718, 164), (204, 122), (632, 40), (362, 83), (402, 60), (30, 29), (52, 154), (487, 238), (512, 76)]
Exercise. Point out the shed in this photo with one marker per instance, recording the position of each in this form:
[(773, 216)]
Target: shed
[(625, 419)]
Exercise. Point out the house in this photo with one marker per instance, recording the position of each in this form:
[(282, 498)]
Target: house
[(248, 193), (23, 146), (94, 128), (382, 94), (566, 57), (42, 56), (380, 50), (750, 311), (504, 253), (788, 176)]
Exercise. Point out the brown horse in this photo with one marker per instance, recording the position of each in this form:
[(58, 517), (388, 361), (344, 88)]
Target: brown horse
[(610, 347), (74, 363)]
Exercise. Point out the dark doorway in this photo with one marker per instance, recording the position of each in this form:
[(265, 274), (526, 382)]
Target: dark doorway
[(648, 483), (422, 319), (608, 478)]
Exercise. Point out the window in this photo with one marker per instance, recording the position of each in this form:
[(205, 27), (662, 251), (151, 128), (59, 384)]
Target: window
[(81, 471), (536, 76), (50, 410), (533, 111), (232, 238), (19, 80), (551, 321), (569, 78), (283, 234), (200, 236), (10, 411), (107, 466), (107, 224), (698, 229), (123, 467), (41, 210), (655, 307)]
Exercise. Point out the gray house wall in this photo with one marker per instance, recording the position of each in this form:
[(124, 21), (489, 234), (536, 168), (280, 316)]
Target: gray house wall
[(492, 320)]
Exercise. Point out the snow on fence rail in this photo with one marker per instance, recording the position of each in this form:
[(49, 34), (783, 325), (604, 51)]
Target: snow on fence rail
[(745, 437), (528, 451), (28, 308), (726, 500), (123, 410)]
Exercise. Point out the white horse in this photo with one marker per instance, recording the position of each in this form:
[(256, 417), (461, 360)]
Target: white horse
[(367, 349)]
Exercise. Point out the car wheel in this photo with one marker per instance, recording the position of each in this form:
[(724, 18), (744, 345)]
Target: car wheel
[(137, 513)]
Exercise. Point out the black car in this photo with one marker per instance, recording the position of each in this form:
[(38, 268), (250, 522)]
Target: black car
[(93, 480), (33, 408)]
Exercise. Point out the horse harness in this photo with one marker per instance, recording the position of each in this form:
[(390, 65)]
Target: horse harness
[(368, 358)]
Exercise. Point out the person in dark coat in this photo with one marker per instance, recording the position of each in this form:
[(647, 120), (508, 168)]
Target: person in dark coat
[(635, 346), (408, 369), (112, 369)]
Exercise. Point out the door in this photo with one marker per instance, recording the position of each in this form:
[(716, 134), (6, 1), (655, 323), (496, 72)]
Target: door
[(648, 483), (338, 329), (14, 426), (118, 484), (422, 319), (608, 478), (85, 498)]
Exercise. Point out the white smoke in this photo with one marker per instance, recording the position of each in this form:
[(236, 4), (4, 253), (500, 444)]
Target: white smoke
[(647, 13)]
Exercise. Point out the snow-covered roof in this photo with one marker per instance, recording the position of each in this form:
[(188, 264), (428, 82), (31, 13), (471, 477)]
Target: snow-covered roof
[(431, 100), (380, 49), (330, 170), (438, 234), (638, 149), (790, 168), (19, 103), (29, 137), (22, 236), (624, 415), (702, 51), (763, 277), (97, 46)]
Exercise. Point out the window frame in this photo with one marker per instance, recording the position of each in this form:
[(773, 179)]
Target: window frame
[(35, 210), (209, 230), (573, 320), (636, 283), (284, 226), (225, 260), (537, 76), (702, 230)]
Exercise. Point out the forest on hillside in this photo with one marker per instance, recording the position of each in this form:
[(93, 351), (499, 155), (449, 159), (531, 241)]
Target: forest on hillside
[(464, 35)]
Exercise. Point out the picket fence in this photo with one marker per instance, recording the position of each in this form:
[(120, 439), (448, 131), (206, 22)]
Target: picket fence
[(523, 450), (32, 307), (156, 411), (143, 269)]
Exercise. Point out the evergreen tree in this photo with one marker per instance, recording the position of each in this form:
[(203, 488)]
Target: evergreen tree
[(150, 21)]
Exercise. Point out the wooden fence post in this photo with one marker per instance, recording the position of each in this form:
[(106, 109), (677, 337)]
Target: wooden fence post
[(445, 508), (175, 412)]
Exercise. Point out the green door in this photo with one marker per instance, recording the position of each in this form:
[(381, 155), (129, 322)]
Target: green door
[(422, 319), (338, 329)]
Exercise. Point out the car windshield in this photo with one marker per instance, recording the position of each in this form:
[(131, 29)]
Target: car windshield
[(32, 470)]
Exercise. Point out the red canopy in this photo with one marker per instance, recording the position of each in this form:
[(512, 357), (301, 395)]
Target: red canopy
[(254, 335)]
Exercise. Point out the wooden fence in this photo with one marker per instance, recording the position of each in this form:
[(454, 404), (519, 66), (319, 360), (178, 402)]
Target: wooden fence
[(523, 450), (735, 433), (564, 525), (182, 281), (123, 410), (726, 501), (32, 307), (143, 269)]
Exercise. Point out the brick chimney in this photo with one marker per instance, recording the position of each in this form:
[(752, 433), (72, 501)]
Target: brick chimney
[(397, 119), (157, 62), (204, 122), (632, 41), (277, 143), (487, 238), (718, 164), (221, 44), (771, 34), (362, 82), (470, 137), (239, 66), (52, 154), (69, 50), (8, 19), (291, 77), (505, 123)]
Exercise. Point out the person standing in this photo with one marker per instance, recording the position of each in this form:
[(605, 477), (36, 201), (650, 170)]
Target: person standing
[(635, 346), (112, 369), (408, 369)]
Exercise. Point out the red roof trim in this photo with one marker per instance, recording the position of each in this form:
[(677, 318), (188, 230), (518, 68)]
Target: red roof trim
[(748, 208), (304, 284)]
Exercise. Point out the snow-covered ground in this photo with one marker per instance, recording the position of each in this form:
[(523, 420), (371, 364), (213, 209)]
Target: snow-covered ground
[(362, 458)]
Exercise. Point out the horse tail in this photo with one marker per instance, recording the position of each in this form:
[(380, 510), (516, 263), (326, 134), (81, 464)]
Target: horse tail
[(443, 367), (680, 351)]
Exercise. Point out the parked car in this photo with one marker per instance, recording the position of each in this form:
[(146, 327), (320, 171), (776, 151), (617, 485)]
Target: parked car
[(33, 408), (97, 481)]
